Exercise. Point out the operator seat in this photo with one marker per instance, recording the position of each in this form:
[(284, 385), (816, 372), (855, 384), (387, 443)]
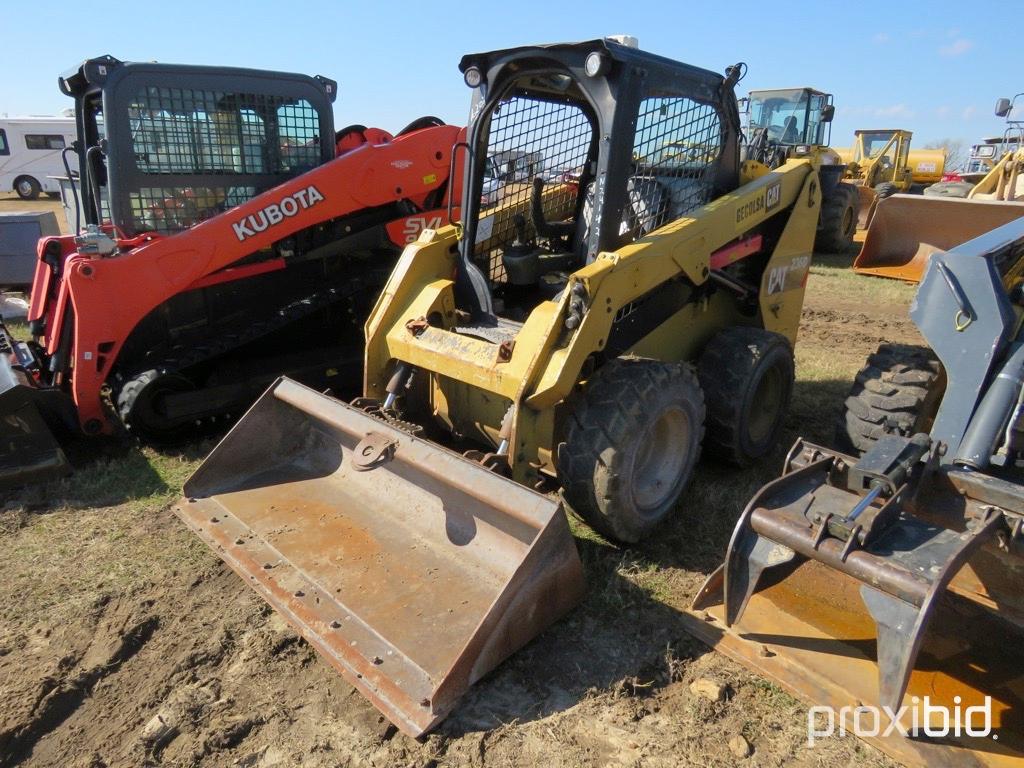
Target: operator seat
[(789, 132)]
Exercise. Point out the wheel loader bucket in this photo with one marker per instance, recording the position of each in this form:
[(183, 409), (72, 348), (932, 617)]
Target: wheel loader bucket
[(918, 621), (412, 570), (906, 230), (29, 452)]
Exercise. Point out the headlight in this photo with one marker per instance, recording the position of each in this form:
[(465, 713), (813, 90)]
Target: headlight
[(473, 77), (596, 64)]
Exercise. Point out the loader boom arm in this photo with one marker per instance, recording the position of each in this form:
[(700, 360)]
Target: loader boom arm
[(128, 286)]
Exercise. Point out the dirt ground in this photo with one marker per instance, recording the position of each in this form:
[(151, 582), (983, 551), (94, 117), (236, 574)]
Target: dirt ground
[(11, 203), (124, 642)]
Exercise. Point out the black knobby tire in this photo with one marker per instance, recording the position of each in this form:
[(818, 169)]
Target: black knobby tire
[(631, 443), (27, 187), (837, 222), (138, 405), (747, 377), (897, 392), (885, 189)]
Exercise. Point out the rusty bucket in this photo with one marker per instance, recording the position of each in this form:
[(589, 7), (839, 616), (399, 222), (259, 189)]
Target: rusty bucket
[(905, 230), (412, 570)]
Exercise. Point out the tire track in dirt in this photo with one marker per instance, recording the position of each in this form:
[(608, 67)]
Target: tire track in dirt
[(59, 693)]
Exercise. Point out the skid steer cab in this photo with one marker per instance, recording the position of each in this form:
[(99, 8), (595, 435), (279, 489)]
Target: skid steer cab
[(223, 234), (616, 296)]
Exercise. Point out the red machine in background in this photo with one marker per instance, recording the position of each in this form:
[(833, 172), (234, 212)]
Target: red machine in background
[(226, 235)]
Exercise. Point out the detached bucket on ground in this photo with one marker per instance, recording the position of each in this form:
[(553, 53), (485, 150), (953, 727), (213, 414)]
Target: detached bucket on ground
[(411, 569)]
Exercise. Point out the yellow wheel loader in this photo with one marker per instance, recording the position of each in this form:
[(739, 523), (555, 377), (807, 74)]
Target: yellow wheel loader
[(905, 230), (927, 166), (885, 584), (625, 297), (879, 167), (786, 123)]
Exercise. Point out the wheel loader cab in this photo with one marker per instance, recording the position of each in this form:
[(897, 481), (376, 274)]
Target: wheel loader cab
[(568, 193), (791, 116)]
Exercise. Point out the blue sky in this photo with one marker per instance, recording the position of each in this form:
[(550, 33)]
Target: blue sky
[(935, 68)]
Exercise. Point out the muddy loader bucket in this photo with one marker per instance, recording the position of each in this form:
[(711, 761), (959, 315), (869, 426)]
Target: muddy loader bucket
[(412, 570), (906, 230), (29, 452)]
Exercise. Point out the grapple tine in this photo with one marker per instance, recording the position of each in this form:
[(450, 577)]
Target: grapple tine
[(919, 547), (749, 554)]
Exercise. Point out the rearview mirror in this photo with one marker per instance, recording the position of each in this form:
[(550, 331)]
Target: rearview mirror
[(1002, 107), (828, 113)]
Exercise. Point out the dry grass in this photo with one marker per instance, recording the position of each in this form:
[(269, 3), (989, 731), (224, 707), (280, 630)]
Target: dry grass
[(11, 203), (831, 275), (104, 531)]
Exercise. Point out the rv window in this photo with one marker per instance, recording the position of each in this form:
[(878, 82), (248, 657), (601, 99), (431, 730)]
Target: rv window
[(4, 150), (44, 141)]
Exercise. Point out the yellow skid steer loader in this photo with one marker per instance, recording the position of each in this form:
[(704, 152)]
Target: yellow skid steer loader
[(886, 585), (615, 287)]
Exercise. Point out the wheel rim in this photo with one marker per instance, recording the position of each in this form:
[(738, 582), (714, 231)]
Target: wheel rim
[(24, 187), (849, 223), (766, 405), (660, 459)]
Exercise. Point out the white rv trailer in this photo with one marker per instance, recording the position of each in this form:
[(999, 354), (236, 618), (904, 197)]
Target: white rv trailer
[(30, 150)]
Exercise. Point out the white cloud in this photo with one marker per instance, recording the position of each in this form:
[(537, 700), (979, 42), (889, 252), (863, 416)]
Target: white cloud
[(942, 111), (893, 110), (958, 47), (881, 38), (969, 113)]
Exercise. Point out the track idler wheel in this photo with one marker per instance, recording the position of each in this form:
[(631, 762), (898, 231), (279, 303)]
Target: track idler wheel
[(142, 405)]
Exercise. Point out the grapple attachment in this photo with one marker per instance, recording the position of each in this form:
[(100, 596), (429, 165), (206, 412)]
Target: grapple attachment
[(412, 570), (28, 450), (905, 230), (833, 588)]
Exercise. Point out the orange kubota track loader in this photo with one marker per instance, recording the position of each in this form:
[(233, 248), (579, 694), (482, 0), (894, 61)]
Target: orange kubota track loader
[(225, 235)]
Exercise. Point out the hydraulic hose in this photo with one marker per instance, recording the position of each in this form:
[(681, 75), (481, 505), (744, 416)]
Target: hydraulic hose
[(74, 188)]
